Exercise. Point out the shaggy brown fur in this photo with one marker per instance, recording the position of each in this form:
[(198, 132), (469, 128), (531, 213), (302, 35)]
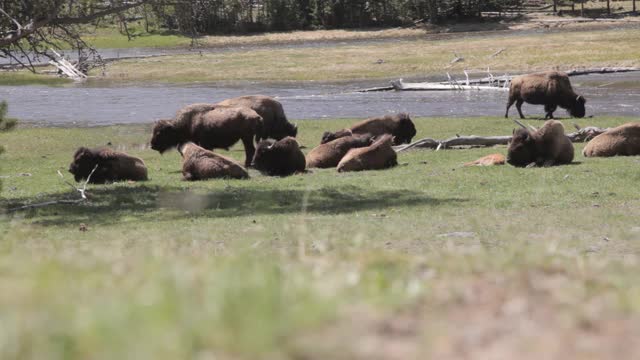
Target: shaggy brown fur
[(111, 166), (276, 125), (493, 159), (328, 155), (551, 89), (623, 140), (209, 126), (279, 158), (202, 164), (398, 125), (379, 155), (545, 147)]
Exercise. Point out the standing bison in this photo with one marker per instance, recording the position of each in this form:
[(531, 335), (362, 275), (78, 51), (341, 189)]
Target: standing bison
[(398, 125), (551, 89), (329, 154), (209, 126), (546, 146), (276, 125), (279, 158), (379, 155), (623, 140), (107, 166), (202, 164)]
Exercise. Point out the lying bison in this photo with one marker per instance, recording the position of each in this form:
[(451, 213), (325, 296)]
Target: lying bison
[(379, 155), (546, 146), (109, 166), (329, 154), (398, 125), (209, 126), (279, 158), (489, 160), (202, 164), (276, 125), (623, 140), (551, 89)]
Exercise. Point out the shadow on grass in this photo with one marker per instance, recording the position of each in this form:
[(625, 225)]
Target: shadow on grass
[(109, 205)]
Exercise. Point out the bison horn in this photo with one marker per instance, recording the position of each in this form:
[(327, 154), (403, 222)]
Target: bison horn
[(519, 123)]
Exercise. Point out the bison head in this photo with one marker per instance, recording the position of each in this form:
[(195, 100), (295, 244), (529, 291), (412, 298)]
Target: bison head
[(165, 136), (263, 156), (329, 136), (84, 161), (522, 148), (405, 131), (577, 108), (284, 130)]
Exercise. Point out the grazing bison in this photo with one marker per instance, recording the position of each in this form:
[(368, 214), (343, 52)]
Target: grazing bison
[(489, 160), (379, 155), (279, 158), (109, 166), (546, 146), (209, 126), (398, 125), (328, 155), (623, 140), (276, 125), (551, 89), (202, 164)]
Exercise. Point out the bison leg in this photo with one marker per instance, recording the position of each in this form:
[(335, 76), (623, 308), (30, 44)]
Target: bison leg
[(509, 103), (249, 150), (519, 107), (549, 109)]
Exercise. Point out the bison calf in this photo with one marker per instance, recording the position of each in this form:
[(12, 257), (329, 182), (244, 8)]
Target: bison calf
[(328, 155), (398, 125), (276, 125), (546, 146), (279, 158), (109, 166), (379, 155), (623, 140), (489, 160), (551, 89), (202, 164)]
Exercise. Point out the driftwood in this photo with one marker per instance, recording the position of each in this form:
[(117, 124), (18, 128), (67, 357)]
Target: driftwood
[(453, 86), (603, 70), (67, 68)]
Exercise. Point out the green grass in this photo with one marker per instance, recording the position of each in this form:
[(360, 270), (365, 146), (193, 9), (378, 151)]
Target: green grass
[(111, 38), (321, 265), (24, 77)]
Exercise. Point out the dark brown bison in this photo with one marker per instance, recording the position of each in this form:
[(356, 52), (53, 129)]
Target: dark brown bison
[(546, 146), (276, 125), (398, 125), (328, 155), (109, 166), (202, 164), (623, 140), (279, 158), (379, 155), (551, 89), (209, 126)]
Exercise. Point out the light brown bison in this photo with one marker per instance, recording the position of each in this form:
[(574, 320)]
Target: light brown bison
[(328, 155), (623, 140), (489, 160), (546, 146), (379, 155), (398, 125), (202, 164), (551, 89), (109, 166), (276, 125), (279, 158), (209, 126)]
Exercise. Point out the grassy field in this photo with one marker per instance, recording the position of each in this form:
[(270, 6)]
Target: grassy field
[(426, 260)]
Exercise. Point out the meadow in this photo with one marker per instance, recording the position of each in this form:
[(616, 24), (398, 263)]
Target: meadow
[(429, 259)]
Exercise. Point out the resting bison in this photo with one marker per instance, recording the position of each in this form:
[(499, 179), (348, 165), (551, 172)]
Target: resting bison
[(209, 126), (551, 89), (379, 155), (546, 146), (279, 158), (328, 155), (276, 125), (623, 140), (109, 166), (489, 160), (202, 164), (398, 125)]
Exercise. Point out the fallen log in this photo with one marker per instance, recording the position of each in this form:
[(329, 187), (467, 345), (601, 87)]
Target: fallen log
[(428, 86), (603, 70)]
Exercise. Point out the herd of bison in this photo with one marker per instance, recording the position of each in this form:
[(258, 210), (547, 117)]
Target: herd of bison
[(368, 145)]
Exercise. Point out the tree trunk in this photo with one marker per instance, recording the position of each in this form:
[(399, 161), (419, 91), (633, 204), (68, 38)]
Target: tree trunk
[(608, 7), (555, 6), (582, 8)]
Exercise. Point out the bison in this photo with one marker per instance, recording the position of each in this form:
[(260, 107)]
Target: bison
[(209, 126), (379, 155), (279, 158), (623, 140), (107, 165), (399, 126), (551, 89), (546, 146), (276, 125), (489, 160), (202, 164), (329, 154)]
